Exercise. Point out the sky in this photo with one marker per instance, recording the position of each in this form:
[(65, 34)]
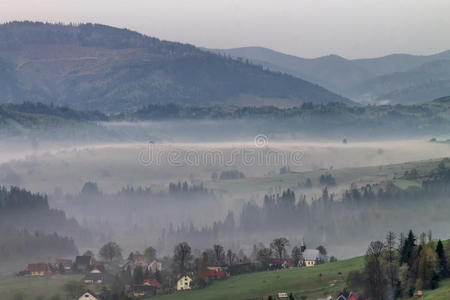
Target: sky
[(306, 28)]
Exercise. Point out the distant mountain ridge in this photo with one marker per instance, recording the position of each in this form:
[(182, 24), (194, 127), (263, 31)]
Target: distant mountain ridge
[(98, 67), (364, 80)]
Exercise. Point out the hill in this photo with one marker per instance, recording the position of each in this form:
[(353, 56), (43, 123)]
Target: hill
[(425, 76), (97, 67), (412, 86), (37, 119), (317, 282), (31, 230), (326, 71), (330, 120), (305, 283)]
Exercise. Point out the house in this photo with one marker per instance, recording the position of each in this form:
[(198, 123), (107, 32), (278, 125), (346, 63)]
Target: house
[(184, 283), (153, 282), (138, 259), (351, 296), (135, 260), (312, 256), (65, 263), (99, 267), (213, 273), (155, 266), (82, 262), (282, 263), (88, 295), (94, 277), (39, 269), (143, 290)]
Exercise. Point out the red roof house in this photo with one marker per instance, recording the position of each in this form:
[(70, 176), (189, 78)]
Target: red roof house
[(212, 274), (352, 297), (39, 269), (153, 282), (66, 263)]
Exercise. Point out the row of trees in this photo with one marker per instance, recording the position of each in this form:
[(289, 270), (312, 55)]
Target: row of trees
[(359, 214), (217, 256)]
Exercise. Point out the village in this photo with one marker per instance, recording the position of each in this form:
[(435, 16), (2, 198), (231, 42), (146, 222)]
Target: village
[(144, 275)]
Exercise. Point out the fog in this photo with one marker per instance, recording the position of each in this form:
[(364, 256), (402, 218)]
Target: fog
[(135, 205)]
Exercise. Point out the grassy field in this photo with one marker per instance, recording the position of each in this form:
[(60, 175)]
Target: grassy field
[(442, 293), (315, 282), (344, 177), (33, 288)]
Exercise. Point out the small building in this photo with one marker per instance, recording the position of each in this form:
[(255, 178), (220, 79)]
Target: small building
[(38, 269), (65, 263), (184, 283), (94, 277), (155, 266), (282, 263), (140, 259), (352, 296), (311, 257), (213, 273), (83, 262), (88, 295), (143, 290), (153, 282), (281, 296)]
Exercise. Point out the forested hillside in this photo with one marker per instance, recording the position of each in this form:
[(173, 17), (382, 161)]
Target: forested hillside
[(37, 119), (319, 119), (412, 86), (396, 78), (97, 67), (31, 230)]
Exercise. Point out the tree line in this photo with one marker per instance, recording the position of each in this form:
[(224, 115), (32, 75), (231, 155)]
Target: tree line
[(402, 266)]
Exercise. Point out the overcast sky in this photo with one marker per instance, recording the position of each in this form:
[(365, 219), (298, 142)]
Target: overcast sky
[(307, 28)]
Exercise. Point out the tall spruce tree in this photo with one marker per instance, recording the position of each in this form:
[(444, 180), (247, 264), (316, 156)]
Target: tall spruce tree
[(408, 248), (443, 266)]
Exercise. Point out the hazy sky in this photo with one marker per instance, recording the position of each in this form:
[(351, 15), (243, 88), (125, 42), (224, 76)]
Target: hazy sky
[(308, 28)]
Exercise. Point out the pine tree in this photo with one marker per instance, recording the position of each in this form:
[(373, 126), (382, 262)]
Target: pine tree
[(408, 248), (443, 266)]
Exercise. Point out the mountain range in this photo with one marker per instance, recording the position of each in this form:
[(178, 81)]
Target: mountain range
[(98, 67), (396, 78)]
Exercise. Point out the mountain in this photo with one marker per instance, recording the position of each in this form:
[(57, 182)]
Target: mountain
[(430, 80), (325, 71), (365, 80), (97, 67)]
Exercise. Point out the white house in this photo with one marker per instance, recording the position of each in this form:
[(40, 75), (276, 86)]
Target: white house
[(312, 256), (155, 266), (93, 277), (88, 295), (184, 283)]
